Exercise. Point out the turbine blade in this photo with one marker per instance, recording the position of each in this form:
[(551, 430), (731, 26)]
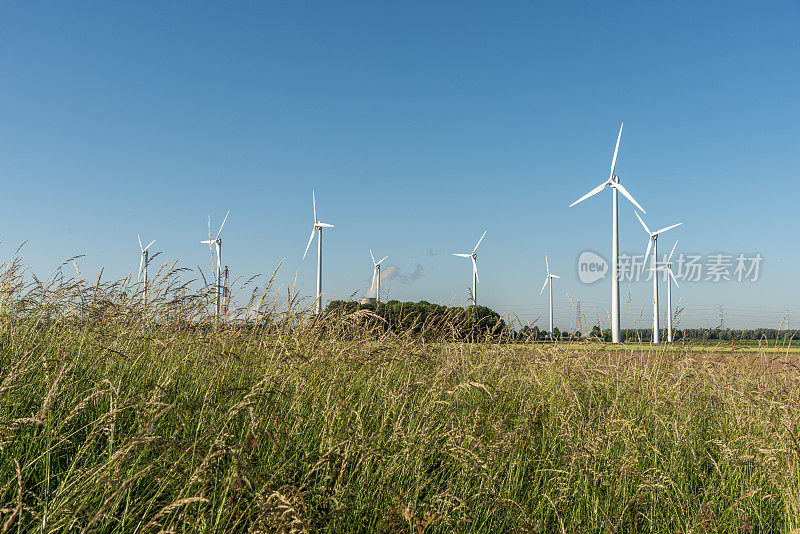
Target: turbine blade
[(148, 246), (672, 275), (624, 191), (647, 252), (616, 150), (479, 242), (668, 228), (554, 276), (310, 239), (206, 242), (590, 193), (323, 225), (547, 279), (547, 264), (385, 257), (673, 252), (646, 229), (475, 270), (141, 260), (314, 203), (373, 257), (462, 255), (223, 223), (140, 242)]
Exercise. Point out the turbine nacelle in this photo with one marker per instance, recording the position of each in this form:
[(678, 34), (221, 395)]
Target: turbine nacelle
[(654, 236), (376, 263), (549, 276), (217, 240), (144, 249), (473, 256), (318, 225), (667, 266), (143, 255)]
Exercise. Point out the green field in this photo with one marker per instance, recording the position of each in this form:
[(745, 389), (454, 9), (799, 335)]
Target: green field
[(116, 417)]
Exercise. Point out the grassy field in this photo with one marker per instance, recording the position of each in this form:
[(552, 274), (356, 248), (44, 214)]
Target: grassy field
[(121, 417)]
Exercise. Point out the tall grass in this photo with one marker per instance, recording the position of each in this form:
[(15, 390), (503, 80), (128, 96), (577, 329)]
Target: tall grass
[(120, 415)]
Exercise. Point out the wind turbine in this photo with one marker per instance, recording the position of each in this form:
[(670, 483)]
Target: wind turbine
[(668, 268), (318, 226), (376, 276), (474, 257), (218, 275), (144, 259), (549, 278), (615, 185), (653, 241)]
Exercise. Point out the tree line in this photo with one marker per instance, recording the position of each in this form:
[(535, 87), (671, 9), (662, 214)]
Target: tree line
[(432, 321), (474, 323)]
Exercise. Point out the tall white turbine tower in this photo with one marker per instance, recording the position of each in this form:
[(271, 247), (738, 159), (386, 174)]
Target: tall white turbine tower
[(653, 241), (144, 259), (549, 279), (218, 274), (668, 268), (376, 276), (615, 185), (474, 257), (318, 226)]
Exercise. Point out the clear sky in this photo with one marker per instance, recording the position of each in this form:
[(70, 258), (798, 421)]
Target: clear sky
[(419, 124)]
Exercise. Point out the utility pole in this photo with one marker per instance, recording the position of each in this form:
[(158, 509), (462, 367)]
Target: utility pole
[(721, 319)]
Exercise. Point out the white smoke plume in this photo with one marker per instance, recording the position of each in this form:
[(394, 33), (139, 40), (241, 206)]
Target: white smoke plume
[(390, 273)]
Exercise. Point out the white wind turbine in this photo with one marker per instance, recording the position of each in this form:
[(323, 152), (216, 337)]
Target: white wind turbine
[(376, 276), (668, 268), (144, 259), (318, 226), (218, 274), (474, 257), (549, 279), (653, 241), (615, 185)]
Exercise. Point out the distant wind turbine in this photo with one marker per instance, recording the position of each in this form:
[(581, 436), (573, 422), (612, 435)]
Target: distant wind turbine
[(653, 241), (668, 268), (376, 276), (143, 261), (549, 279), (615, 185), (218, 274), (318, 227), (474, 257)]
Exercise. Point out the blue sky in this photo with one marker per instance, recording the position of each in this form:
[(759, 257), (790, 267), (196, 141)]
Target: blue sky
[(419, 126)]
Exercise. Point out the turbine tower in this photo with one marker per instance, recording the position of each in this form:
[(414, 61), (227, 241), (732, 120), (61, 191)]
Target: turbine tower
[(218, 273), (474, 257), (549, 279), (653, 241), (376, 276), (615, 185), (668, 268), (144, 259), (318, 226)]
